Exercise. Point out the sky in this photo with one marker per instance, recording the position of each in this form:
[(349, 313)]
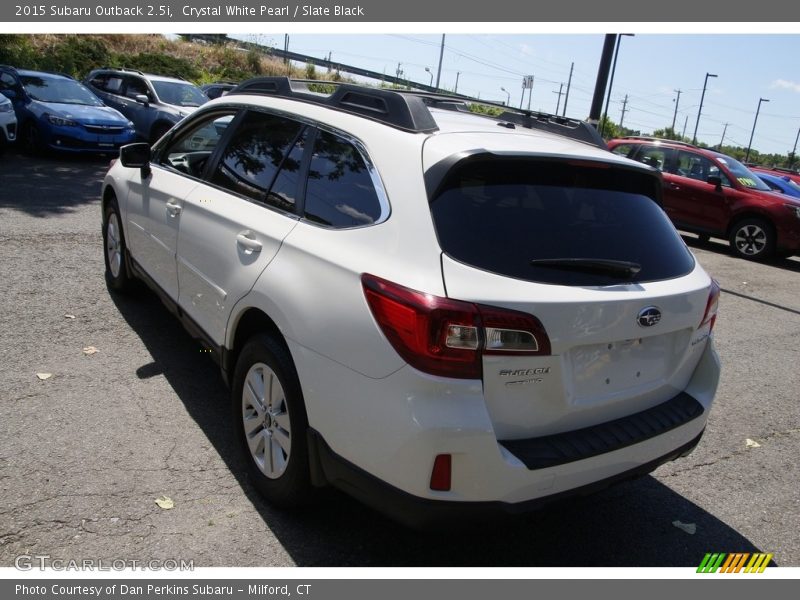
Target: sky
[(650, 68)]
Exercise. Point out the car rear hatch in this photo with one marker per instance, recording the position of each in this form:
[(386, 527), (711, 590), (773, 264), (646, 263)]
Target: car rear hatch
[(597, 304)]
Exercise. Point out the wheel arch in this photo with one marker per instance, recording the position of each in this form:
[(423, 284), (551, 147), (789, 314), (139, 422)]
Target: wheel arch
[(248, 322), (749, 214)]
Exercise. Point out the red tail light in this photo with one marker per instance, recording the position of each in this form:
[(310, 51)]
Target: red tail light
[(710, 316), (448, 337)]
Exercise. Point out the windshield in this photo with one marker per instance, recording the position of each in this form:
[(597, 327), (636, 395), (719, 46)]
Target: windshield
[(742, 174), (179, 94), (55, 89)]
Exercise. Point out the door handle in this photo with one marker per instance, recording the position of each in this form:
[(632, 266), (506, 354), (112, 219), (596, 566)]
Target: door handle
[(674, 186), (173, 209), (246, 240)]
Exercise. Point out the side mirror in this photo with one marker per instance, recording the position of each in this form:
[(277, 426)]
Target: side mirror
[(136, 156), (715, 180), (142, 99)]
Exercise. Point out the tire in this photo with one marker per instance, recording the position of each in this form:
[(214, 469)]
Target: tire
[(271, 423), (32, 140), (752, 239), (115, 251)]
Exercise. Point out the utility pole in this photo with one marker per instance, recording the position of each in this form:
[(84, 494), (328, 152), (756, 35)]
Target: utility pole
[(286, 48), (750, 143), (399, 72), (569, 83), (624, 110), (439, 72), (724, 130), (700, 110), (558, 103), (458, 74), (675, 114), (791, 156), (685, 121)]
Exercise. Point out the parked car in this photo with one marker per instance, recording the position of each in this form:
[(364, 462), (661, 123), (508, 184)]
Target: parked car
[(712, 194), (439, 312), (154, 103), (783, 184), (8, 123), (215, 90), (776, 171), (56, 112)]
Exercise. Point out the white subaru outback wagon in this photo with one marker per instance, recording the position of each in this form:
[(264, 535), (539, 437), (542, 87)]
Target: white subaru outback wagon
[(438, 312)]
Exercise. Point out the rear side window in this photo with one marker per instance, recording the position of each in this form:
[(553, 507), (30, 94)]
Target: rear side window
[(340, 192), (254, 154), (548, 221)]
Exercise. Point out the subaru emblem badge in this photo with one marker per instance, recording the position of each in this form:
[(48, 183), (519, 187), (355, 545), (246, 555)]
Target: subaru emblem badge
[(648, 316)]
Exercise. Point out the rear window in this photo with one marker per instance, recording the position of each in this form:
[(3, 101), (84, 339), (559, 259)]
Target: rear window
[(557, 222)]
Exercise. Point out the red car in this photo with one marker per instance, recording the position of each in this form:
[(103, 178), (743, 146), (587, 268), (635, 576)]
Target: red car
[(712, 194)]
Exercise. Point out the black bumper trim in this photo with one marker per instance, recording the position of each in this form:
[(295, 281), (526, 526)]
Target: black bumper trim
[(420, 513), (580, 444)]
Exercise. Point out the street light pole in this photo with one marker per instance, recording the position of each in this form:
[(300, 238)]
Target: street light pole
[(428, 71), (700, 110), (508, 100), (750, 143)]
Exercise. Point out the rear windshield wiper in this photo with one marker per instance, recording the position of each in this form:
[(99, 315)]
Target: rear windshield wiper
[(622, 268)]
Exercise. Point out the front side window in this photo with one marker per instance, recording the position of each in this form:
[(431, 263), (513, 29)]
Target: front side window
[(137, 87), (340, 192), (255, 153), (700, 168), (191, 149)]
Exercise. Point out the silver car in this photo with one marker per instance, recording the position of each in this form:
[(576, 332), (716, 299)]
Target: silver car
[(154, 103)]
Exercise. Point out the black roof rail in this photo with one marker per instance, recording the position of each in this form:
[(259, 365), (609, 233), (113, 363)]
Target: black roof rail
[(398, 110), (571, 128)]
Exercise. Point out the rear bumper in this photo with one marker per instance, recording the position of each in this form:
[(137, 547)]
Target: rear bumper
[(421, 513), (385, 455)]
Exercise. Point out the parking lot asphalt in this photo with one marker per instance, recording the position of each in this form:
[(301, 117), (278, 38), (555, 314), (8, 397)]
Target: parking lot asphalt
[(85, 453)]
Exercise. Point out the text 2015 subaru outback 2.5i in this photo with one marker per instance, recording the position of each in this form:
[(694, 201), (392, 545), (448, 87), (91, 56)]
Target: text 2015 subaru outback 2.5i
[(436, 311)]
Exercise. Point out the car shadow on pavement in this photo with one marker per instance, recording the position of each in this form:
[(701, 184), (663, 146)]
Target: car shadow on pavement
[(45, 185), (722, 247), (628, 525)]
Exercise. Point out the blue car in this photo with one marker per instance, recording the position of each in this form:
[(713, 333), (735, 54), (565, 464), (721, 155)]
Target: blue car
[(55, 112), (780, 184)]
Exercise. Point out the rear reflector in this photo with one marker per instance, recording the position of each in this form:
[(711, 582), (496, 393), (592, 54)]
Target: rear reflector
[(441, 473), (448, 337)]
